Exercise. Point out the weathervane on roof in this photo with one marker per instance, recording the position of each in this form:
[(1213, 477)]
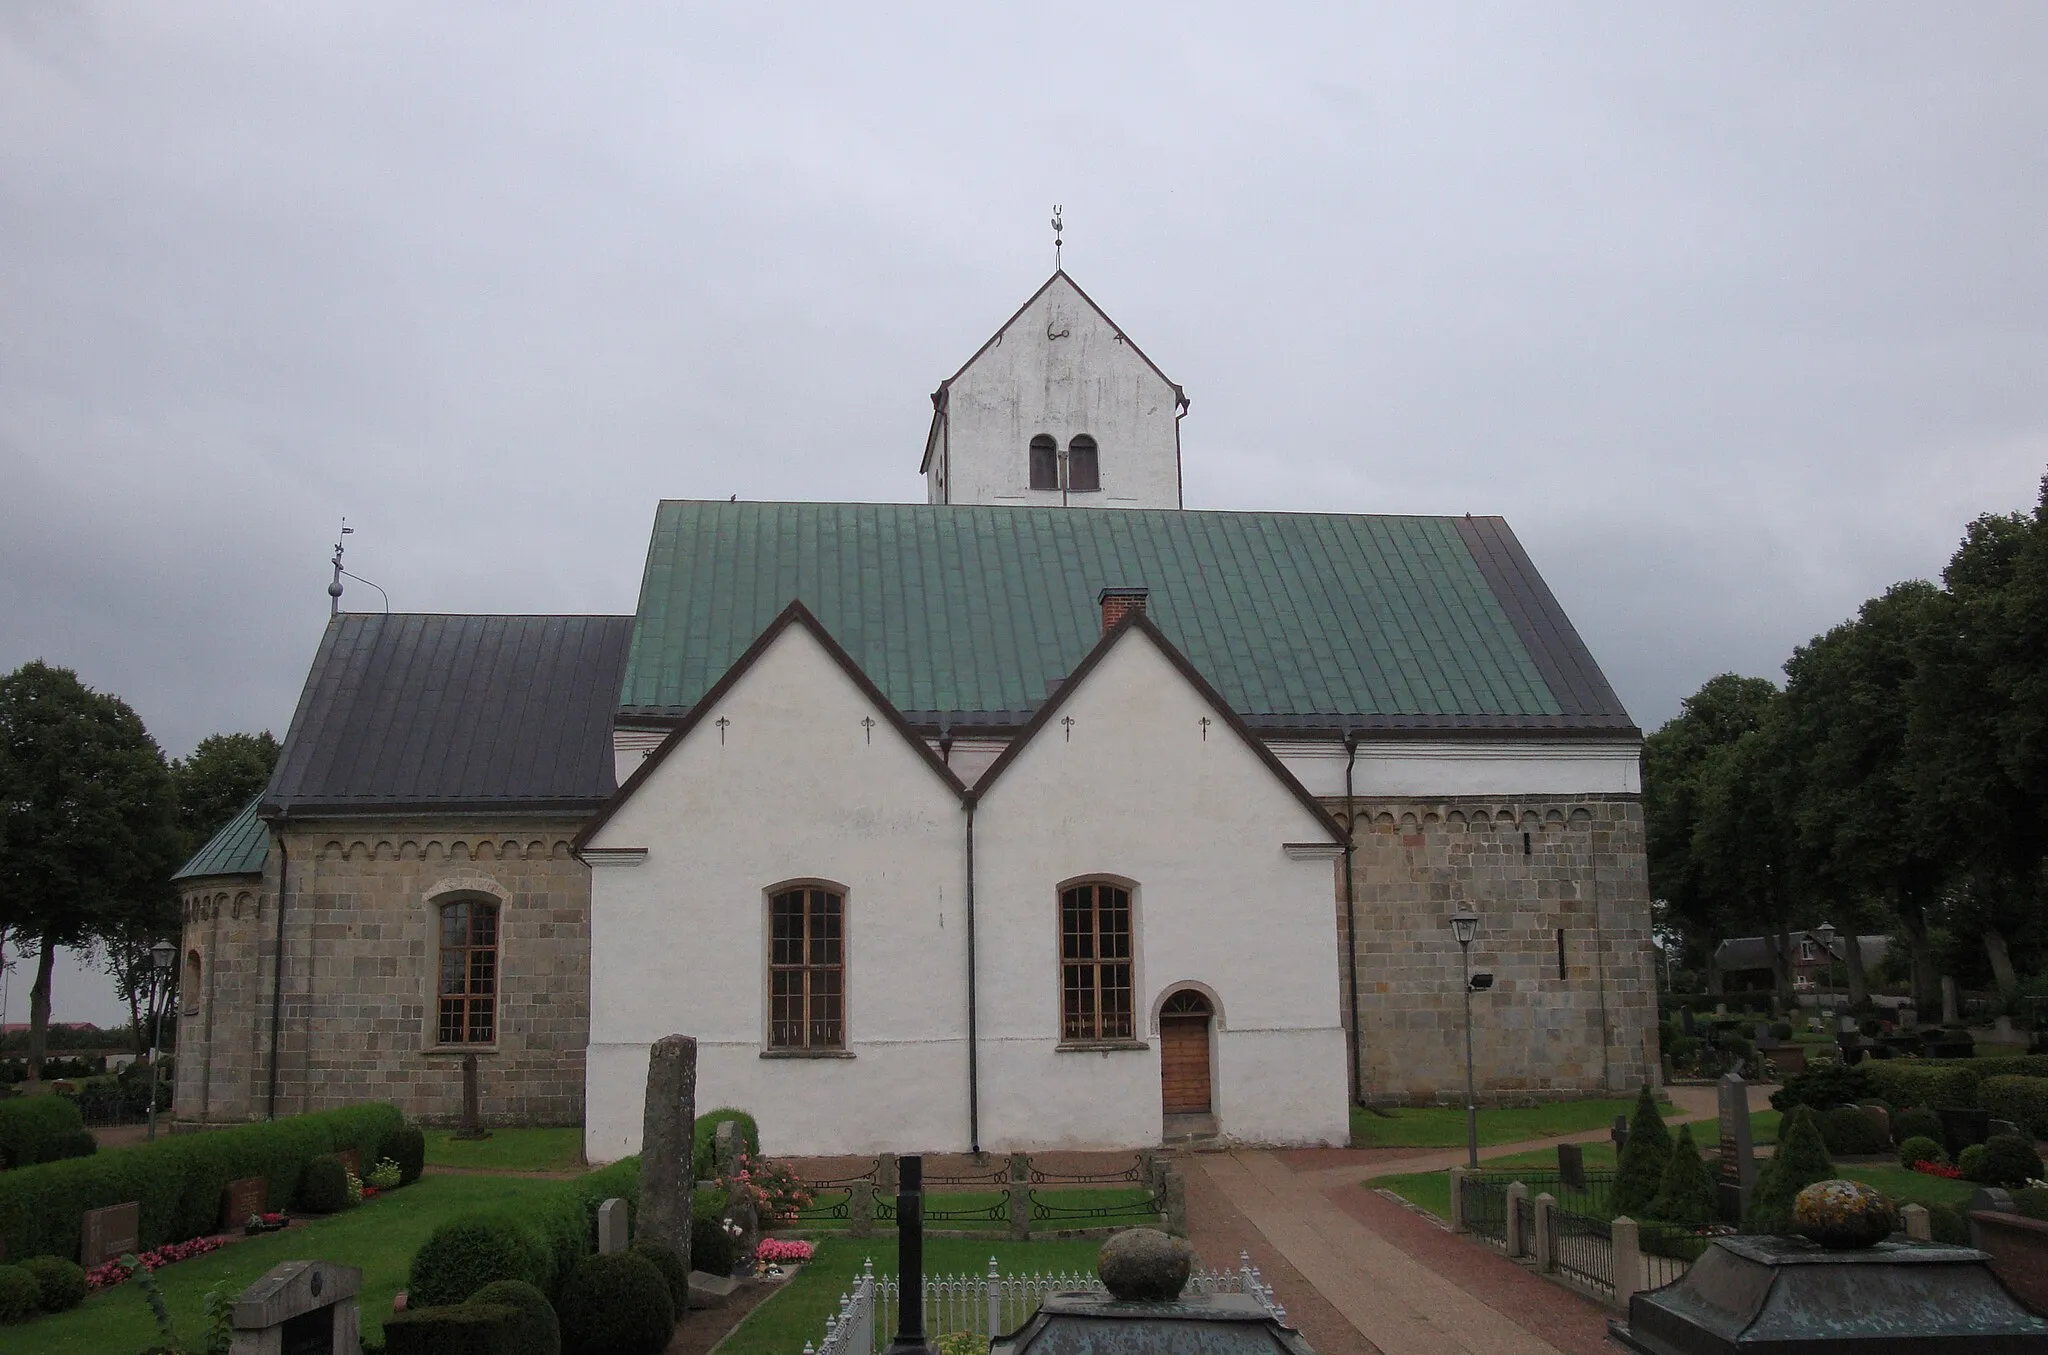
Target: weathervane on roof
[(334, 587), (1057, 230)]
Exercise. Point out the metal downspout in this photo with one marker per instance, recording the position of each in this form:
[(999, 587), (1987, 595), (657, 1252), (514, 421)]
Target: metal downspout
[(1351, 910), (284, 866), (973, 1052)]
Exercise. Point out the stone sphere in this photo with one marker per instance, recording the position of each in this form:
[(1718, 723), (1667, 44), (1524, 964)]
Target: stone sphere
[(1144, 1264), (1844, 1215)]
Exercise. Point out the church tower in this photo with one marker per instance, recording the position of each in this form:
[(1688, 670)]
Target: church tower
[(1058, 408)]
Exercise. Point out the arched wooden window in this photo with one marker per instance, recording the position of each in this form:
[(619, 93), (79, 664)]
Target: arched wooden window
[(468, 988), (1045, 463), (807, 969), (1095, 962), (1084, 469)]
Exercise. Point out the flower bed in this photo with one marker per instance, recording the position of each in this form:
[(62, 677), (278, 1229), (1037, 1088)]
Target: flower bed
[(1942, 1169), (776, 1251), (118, 1272)]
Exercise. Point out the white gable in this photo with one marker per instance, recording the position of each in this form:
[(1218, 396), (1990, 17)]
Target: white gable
[(1061, 369)]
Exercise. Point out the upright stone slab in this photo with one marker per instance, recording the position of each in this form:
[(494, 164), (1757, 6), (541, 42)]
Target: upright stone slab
[(1950, 1014), (725, 1148), (860, 1209), (667, 1124), (109, 1233), (1880, 1119), (1738, 1156), (472, 1126), (241, 1200), (885, 1174), (611, 1227), (1571, 1167), (299, 1306)]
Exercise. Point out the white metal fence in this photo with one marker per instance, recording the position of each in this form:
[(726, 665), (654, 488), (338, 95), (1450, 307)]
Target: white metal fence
[(990, 1305)]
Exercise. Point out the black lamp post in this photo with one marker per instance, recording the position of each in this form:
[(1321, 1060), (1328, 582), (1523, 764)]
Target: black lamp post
[(1465, 926), (909, 1258), (160, 957)]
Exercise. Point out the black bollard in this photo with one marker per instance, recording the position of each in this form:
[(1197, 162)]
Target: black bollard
[(910, 1258)]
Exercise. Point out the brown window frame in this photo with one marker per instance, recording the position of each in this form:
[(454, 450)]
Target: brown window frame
[(1042, 469), (1082, 451), (813, 976), (475, 976), (1098, 979)]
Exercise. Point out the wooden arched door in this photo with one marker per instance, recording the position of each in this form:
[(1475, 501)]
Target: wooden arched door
[(1184, 1053)]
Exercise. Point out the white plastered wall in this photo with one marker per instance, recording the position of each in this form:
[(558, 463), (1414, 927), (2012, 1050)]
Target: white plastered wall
[(1138, 788), (1060, 368), (793, 785)]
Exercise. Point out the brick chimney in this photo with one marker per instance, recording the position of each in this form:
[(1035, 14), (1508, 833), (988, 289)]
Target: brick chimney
[(1118, 602)]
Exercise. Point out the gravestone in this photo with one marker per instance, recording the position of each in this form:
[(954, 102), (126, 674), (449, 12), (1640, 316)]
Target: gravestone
[(1846, 1025), (860, 1209), (1764, 1038), (1996, 1127), (472, 1126), (1738, 1157), (1881, 1118), (109, 1233), (1571, 1167), (300, 1308), (1908, 1018), (611, 1227), (1949, 1014), (1992, 1198), (2001, 1030), (743, 1213), (668, 1126), (352, 1158), (725, 1148), (886, 1174), (239, 1200)]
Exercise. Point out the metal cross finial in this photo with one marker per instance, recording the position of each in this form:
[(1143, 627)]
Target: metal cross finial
[(867, 722), (1068, 722), (721, 722), (1205, 729), (1057, 230)]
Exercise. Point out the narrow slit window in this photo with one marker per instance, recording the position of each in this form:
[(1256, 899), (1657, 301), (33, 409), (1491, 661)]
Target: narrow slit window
[(468, 989), (1084, 469), (1095, 963), (1560, 952), (1045, 463), (807, 970)]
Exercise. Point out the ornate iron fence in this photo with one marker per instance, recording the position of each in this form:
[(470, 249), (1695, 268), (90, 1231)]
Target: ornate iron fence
[(1486, 1208), (1147, 1210), (1583, 1249)]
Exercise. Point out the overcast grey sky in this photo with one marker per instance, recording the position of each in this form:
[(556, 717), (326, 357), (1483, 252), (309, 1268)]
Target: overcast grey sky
[(1738, 312)]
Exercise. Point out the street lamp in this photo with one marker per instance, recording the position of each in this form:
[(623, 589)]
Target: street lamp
[(160, 957), (1465, 926)]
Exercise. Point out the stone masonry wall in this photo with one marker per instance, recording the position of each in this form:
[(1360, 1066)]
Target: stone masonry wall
[(361, 956), (1529, 868), (224, 919)]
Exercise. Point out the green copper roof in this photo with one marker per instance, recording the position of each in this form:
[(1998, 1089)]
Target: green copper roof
[(969, 615), (237, 849)]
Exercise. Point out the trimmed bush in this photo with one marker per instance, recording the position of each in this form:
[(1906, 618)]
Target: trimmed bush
[(323, 1187), (177, 1180), (1825, 1086), (60, 1283), (671, 1267), (704, 1139), (1920, 1148), (1848, 1131), (2008, 1160), (1948, 1224), (1781, 1031), (2023, 1100), (465, 1254), (1970, 1162), (1686, 1196), (2013, 1065), (1641, 1168), (19, 1294), (41, 1128), (407, 1146), (1925, 1082), (1801, 1160), (711, 1250), (455, 1329), (535, 1328), (1917, 1123), (615, 1305), (78, 1143), (2032, 1202)]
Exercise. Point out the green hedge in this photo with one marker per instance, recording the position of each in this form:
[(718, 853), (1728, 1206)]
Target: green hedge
[(42, 1128), (539, 1240), (178, 1180), (2022, 1100), (464, 1329), (1933, 1083)]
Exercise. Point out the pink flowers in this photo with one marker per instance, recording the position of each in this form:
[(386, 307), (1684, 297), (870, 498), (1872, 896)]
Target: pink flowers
[(113, 1272), (775, 1251)]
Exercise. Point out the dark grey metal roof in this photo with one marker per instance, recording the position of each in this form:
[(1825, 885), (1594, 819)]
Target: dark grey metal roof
[(423, 712), (239, 848)]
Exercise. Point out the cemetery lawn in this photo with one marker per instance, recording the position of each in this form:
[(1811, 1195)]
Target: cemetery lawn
[(380, 1236), (797, 1314), (508, 1150), (1444, 1126)]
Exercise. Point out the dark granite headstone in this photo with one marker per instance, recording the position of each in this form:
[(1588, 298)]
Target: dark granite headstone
[(240, 1199), (300, 1308), (1738, 1154), (108, 1233), (1571, 1167)]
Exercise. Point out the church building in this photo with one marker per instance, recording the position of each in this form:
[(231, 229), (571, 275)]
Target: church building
[(1045, 813)]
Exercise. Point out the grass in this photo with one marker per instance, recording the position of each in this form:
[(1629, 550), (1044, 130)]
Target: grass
[(379, 1236), (1124, 1198), (798, 1313), (508, 1150), (1444, 1126)]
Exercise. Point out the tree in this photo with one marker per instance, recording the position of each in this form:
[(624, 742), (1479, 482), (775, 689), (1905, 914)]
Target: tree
[(1675, 759), (1640, 1169), (88, 820), (218, 780), (1686, 1195), (1800, 1161)]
